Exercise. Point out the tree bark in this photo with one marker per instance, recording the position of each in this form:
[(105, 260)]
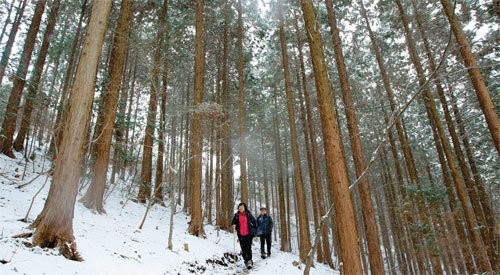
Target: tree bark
[(93, 198), (9, 122), (54, 225), (336, 168), (196, 223)]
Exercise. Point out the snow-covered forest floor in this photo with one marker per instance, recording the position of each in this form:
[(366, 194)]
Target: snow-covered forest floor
[(112, 243)]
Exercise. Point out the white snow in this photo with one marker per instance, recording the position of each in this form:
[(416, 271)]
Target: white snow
[(112, 243)]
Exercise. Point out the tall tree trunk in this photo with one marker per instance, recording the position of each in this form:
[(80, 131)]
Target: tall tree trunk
[(12, 37), (226, 151), (147, 151), (335, 165), (483, 95), (241, 109), (36, 75), (275, 209), (312, 180), (384, 229), (285, 243), (287, 192), (54, 225), (93, 198), (119, 148), (187, 162), (314, 146), (158, 192), (128, 117), (9, 122), (218, 140), (264, 172), (434, 117), (209, 180), (181, 153), (196, 223), (305, 243), (375, 255)]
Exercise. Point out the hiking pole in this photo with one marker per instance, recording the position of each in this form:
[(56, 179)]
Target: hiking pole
[(234, 238)]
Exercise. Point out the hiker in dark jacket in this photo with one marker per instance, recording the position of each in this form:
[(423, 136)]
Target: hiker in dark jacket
[(264, 230), (245, 225)]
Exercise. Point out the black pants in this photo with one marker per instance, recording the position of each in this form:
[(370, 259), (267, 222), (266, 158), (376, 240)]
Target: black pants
[(265, 238), (246, 246)]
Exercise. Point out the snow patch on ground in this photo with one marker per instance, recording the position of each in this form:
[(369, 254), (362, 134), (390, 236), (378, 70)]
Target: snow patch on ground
[(112, 243)]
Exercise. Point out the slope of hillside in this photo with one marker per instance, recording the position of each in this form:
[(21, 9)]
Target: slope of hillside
[(112, 243)]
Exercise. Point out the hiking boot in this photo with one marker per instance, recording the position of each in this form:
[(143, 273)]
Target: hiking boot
[(249, 264), (263, 255)]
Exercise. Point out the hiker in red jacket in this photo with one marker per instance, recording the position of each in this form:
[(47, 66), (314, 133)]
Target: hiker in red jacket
[(246, 226)]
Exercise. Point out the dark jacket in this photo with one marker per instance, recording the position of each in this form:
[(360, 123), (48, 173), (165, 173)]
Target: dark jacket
[(265, 224), (251, 222)]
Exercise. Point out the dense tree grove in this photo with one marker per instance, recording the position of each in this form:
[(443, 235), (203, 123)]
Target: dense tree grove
[(369, 129)]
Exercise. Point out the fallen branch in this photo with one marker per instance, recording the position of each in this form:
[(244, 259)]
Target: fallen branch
[(23, 235), (151, 199), (32, 180), (33, 200), (127, 257), (11, 180)]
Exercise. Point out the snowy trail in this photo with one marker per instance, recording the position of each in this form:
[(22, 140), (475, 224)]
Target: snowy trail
[(112, 243)]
